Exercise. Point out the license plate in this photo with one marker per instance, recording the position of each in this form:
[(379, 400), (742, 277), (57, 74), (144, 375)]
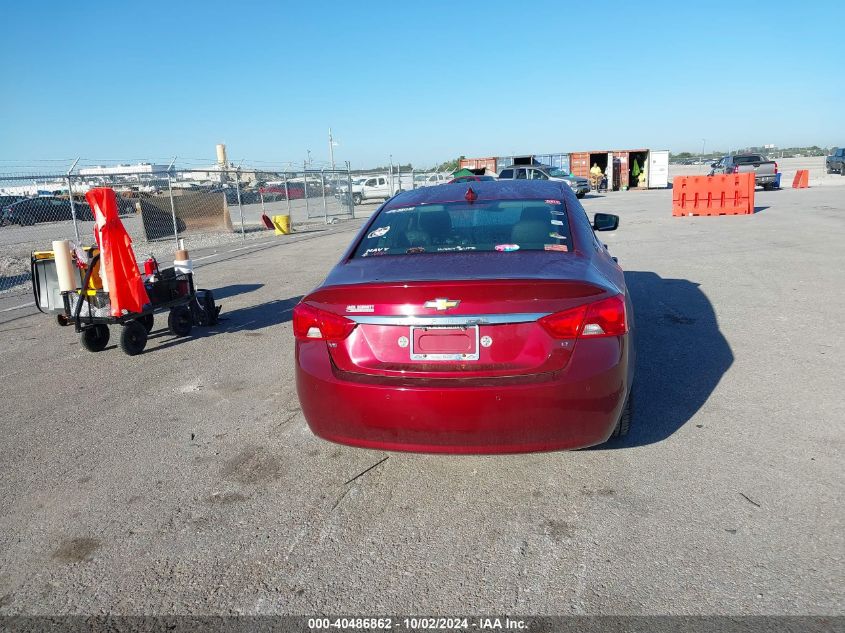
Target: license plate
[(455, 343)]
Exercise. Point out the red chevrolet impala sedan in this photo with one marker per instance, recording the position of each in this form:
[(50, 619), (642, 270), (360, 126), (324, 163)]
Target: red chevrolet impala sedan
[(480, 317)]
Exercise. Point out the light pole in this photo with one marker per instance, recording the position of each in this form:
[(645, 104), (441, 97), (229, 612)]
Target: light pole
[(703, 143), (331, 148)]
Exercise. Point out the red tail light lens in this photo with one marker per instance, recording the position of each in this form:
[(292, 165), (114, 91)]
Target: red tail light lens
[(776, 168), (310, 323), (602, 318), (566, 324), (736, 169)]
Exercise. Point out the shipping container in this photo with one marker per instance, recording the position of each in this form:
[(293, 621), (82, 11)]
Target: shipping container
[(579, 164), (502, 162), (477, 164), (658, 168), (559, 161)]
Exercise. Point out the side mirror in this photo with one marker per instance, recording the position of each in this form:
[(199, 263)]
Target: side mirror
[(605, 222)]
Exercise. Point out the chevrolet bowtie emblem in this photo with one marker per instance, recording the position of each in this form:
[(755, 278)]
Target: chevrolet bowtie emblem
[(442, 304)]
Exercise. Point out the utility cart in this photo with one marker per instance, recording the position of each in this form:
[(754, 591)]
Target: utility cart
[(88, 308)]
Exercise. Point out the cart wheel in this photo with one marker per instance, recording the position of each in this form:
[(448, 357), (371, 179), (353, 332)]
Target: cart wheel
[(147, 321), (133, 338), (62, 320), (210, 307), (180, 321), (95, 338)]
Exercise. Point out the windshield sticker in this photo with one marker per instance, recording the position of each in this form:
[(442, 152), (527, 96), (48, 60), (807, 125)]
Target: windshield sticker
[(379, 232), (507, 248), (552, 201), (376, 251), (400, 209), (557, 236), (448, 249), (556, 212), (361, 308), (415, 249), (557, 222), (556, 247)]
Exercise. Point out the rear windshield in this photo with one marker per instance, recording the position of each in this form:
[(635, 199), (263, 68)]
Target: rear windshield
[(742, 160), (501, 225)]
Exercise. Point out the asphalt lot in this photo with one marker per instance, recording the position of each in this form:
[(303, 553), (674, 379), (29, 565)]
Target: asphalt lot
[(185, 480)]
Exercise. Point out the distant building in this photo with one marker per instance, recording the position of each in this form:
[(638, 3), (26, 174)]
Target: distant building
[(138, 170)]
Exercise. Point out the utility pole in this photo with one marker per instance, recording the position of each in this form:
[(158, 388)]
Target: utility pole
[(310, 162), (703, 144), (331, 149)]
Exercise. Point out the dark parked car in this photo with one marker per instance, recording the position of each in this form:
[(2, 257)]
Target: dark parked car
[(44, 209), (578, 184), (482, 317), (836, 161), (765, 171)]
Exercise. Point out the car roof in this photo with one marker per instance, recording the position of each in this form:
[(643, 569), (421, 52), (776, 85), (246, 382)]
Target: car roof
[(485, 189)]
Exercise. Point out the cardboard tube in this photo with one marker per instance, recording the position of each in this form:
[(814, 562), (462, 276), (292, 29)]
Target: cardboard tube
[(181, 254), (64, 265)]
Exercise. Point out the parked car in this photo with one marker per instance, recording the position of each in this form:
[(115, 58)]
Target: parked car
[(578, 184), (381, 187), (5, 201), (471, 179), (765, 171), (30, 211), (470, 319), (279, 190), (429, 180), (836, 161)]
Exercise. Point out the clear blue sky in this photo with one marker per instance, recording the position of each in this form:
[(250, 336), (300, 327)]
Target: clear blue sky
[(423, 81)]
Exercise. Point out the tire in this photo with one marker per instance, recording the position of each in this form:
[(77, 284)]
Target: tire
[(133, 338), (624, 423), (842, 169), (147, 321), (357, 199), (768, 187), (580, 195), (95, 338), (180, 321)]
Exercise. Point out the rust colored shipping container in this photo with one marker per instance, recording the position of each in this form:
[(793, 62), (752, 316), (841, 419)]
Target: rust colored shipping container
[(479, 163), (579, 164)]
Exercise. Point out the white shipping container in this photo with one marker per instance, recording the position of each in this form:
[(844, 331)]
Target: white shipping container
[(658, 169)]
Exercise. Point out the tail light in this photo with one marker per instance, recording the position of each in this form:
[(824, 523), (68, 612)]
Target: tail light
[(776, 168), (602, 318), (310, 323), (736, 169)]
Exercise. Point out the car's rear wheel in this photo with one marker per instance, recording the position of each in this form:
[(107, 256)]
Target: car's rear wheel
[(356, 199), (624, 423), (842, 169)]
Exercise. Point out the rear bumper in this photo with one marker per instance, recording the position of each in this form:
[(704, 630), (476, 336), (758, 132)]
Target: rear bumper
[(574, 408), (765, 179)]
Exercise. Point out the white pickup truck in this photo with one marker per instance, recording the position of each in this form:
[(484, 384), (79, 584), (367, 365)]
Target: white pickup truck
[(429, 180), (381, 187)]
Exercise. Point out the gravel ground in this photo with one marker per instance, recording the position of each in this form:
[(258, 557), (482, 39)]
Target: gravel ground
[(185, 480)]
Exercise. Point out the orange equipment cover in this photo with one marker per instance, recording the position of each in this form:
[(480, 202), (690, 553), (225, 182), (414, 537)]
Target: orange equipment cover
[(126, 288)]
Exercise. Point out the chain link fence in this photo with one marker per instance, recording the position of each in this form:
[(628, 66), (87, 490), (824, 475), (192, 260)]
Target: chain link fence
[(203, 207)]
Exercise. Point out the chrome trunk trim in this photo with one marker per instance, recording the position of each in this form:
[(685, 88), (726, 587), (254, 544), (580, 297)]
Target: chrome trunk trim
[(470, 319)]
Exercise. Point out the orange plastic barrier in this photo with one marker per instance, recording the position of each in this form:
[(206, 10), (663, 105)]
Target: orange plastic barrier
[(802, 179), (729, 194)]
